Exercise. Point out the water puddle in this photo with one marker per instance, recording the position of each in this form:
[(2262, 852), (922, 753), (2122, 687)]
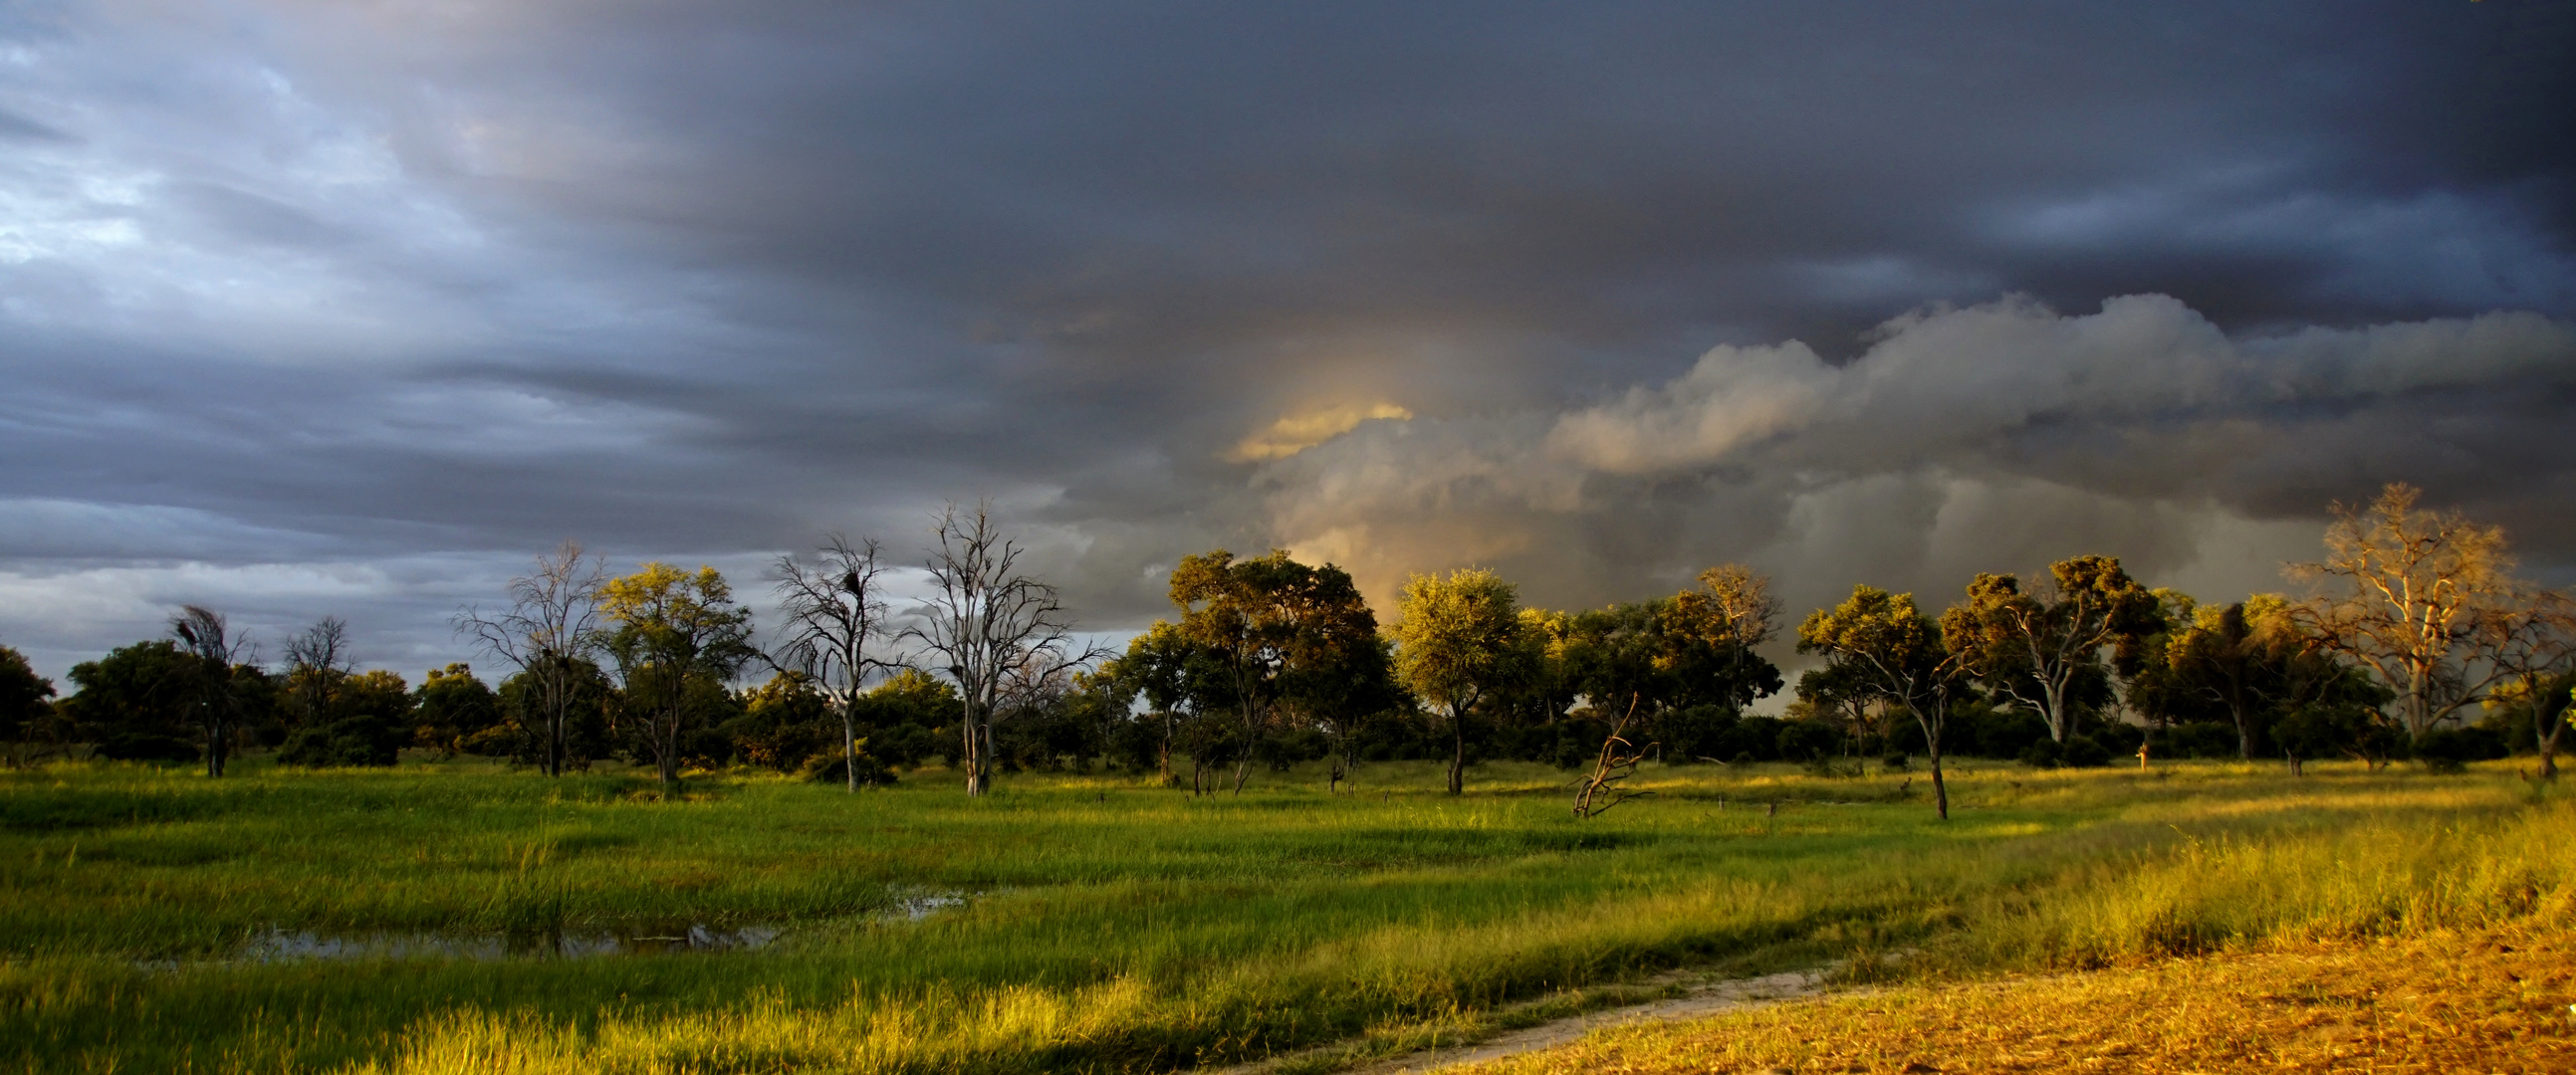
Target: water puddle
[(297, 946), (292, 946)]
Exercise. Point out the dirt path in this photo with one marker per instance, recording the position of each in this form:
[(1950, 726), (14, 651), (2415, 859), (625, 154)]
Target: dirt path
[(1705, 997)]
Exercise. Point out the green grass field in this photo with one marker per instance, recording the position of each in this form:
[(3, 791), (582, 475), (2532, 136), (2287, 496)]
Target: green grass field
[(1112, 926)]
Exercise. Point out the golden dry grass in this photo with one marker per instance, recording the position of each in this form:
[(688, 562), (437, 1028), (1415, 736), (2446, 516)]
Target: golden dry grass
[(2493, 1000)]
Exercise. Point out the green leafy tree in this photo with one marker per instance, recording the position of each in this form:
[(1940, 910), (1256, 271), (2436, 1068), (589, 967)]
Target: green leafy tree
[(453, 707), (1182, 685), (909, 715), (1458, 642), (557, 716), (677, 637), (24, 710), (363, 719), (1274, 629), (1709, 637), (2043, 645), (131, 704), (785, 724), (1896, 650)]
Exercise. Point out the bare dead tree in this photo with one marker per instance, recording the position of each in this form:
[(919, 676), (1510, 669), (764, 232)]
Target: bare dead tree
[(996, 633), (1599, 791), (551, 624), (835, 612), (204, 635), (316, 661)]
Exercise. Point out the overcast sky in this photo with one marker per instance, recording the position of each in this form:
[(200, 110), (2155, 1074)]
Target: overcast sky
[(353, 308)]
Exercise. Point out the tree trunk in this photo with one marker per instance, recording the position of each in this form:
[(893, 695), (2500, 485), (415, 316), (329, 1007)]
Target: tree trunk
[(850, 747), (2548, 711), (670, 759), (1458, 761), (979, 743), (1932, 747)]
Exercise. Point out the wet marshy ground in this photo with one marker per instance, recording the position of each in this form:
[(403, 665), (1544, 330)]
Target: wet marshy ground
[(281, 945)]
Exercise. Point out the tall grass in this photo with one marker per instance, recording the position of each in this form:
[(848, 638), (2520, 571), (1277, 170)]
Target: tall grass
[(1122, 928)]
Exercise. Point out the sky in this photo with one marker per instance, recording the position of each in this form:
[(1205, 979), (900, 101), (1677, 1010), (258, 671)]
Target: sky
[(352, 309)]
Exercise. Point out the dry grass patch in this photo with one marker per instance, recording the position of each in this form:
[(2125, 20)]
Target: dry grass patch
[(2491, 1001)]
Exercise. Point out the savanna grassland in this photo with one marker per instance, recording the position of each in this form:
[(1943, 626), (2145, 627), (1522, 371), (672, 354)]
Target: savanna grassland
[(1111, 926)]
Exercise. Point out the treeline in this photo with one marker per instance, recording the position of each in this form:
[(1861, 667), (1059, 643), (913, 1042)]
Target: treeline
[(2420, 644)]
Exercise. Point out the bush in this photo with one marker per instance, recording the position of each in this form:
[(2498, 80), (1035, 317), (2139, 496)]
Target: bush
[(145, 746), (1808, 740), (2196, 739), (2084, 751), (2450, 749), (1999, 733), (1752, 739), (363, 739), (831, 768), (1693, 733)]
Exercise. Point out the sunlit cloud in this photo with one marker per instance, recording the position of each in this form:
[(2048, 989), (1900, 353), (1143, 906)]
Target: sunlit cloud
[(1297, 432)]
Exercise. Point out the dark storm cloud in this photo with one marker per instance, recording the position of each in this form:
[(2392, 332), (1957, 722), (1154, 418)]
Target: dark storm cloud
[(435, 286)]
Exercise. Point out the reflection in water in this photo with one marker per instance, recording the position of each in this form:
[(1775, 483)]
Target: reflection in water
[(286, 946), (282, 946)]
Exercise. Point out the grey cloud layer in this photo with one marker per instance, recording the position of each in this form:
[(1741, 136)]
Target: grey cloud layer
[(295, 290), (1988, 438)]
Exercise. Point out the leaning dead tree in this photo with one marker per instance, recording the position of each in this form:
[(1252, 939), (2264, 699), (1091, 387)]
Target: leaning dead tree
[(1600, 790), (215, 698), (996, 633), (552, 624), (835, 612)]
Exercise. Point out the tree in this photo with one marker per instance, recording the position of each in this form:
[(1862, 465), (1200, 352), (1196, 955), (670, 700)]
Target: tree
[(1843, 694), (677, 635), (834, 613), (1711, 632), (1274, 627), (316, 661), (364, 719), (131, 704), (2536, 644), (2039, 647), (1180, 682), (215, 695), (22, 701), (996, 632), (1455, 644), (561, 715), (1897, 652), (453, 707), (785, 724), (547, 633), (2237, 656), (2423, 596)]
